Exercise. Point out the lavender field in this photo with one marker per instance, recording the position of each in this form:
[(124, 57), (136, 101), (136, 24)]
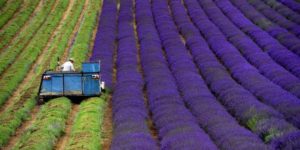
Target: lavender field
[(179, 74)]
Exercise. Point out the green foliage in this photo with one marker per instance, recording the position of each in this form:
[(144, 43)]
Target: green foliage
[(10, 31), (19, 68), (48, 127), (10, 54), (11, 119), (21, 110), (81, 45), (86, 130), (8, 11), (2, 3), (60, 43)]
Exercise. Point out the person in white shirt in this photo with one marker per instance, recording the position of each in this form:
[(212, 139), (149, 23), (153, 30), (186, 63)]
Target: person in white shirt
[(68, 66)]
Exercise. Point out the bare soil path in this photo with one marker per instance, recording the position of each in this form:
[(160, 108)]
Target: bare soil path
[(151, 126), (41, 61), (107, 126), (62, 142), (25, 125), (25, 26), (16, 13), (74, 34), (30, 80)]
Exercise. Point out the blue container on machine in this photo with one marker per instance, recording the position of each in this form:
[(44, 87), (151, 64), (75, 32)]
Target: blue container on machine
[(85, 83)]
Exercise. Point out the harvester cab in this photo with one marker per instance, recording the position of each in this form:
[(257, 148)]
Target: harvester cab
[(86, 83)]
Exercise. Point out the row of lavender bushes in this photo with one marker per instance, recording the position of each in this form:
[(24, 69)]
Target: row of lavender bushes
[(241, 103), (274, 95), (130, 130), (105, 41), (275, 17), (252, 52), (278, 52), (282, 35), (177, 127), (291, 4), (211, 115), (283, 10)]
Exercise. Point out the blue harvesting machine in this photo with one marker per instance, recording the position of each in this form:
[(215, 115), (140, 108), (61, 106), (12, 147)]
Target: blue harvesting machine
[(86, 83)]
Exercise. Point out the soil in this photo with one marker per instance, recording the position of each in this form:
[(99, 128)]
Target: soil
[(63, 141), (25, 125), (107, 128), (74, 34), (16, 13), (25, 26)]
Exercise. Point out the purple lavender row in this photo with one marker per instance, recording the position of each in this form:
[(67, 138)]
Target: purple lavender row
[(251, 51), (282, 35), (220, 125), (281, 100), (105, 40), (283, 10), (291, 4), (278, 52), (268, 92), (260, 118), (177, 127), (129, 111), (275, 17)]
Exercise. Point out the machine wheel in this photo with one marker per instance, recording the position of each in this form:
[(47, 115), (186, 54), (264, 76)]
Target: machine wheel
[(40, 101)]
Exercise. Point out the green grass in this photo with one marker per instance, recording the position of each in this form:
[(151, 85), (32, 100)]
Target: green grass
[(8, 56), (17, 23), (258, 123), (81, 45), (12, 118), (59, 44), (48, 126), (86, 131), (19, 69), (2, 3), (8, 11)]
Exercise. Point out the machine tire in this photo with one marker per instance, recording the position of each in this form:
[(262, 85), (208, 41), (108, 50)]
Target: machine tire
[(40, 101)]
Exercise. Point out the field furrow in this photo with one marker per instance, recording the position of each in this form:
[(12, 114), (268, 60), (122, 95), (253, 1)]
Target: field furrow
[(282, 35), (178, 74), (188, 78), (23, 38), (48, 126), (283, 10), (276, 18), (86, 130), (27, 98), (278, 52), (25, 125), (18, 70), (62, 141), (9, 10)]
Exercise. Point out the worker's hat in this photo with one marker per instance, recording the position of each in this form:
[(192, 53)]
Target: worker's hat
[(71, 59)]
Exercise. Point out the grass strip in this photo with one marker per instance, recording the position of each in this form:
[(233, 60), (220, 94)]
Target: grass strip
[(8, 55), (86, 131), (9, 10), (47, 128), (7, 34), (12, 118), (19, 69), (81, 45), (61, 43), (2, 3)]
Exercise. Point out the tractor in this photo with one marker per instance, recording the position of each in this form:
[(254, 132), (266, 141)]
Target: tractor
[(83, 84)]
